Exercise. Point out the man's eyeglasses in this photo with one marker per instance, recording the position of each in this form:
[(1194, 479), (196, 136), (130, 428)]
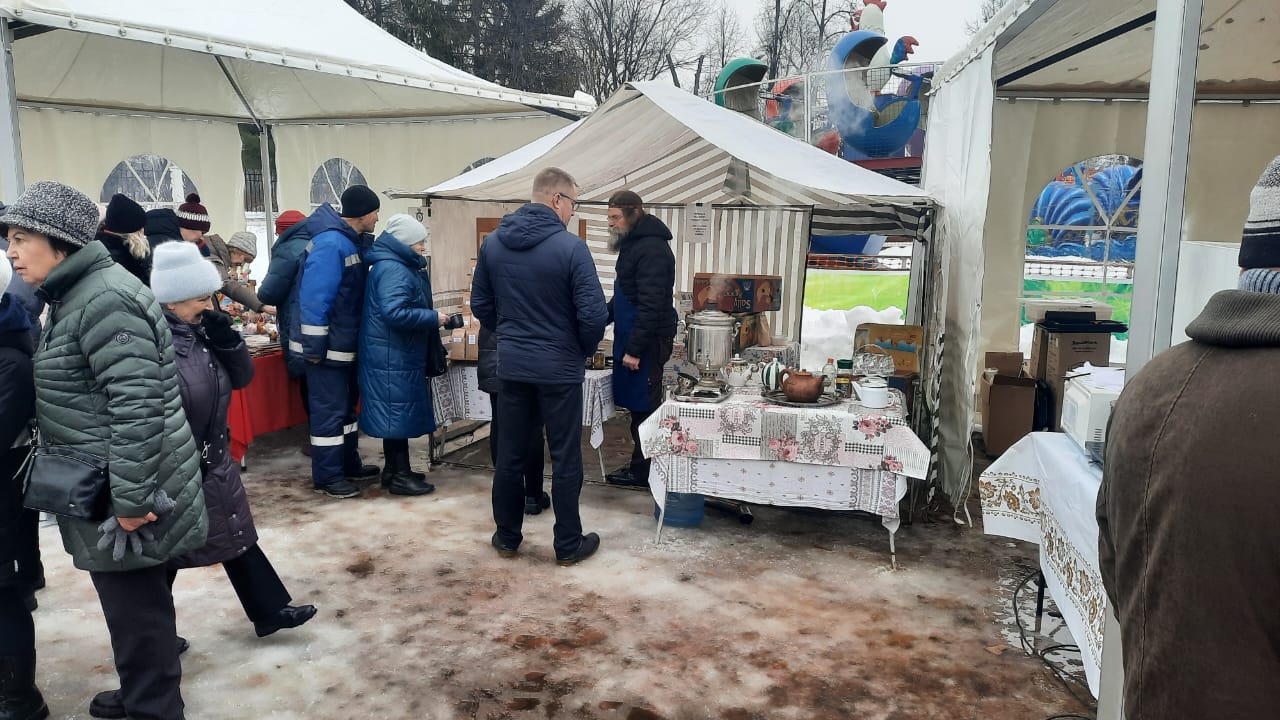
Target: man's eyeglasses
[(573, 202)]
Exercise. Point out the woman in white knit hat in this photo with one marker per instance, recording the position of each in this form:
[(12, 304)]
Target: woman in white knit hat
[(213, 360)]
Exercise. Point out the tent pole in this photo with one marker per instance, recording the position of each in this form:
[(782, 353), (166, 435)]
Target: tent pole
[(1164, 186), (12, 182), (268, 209)]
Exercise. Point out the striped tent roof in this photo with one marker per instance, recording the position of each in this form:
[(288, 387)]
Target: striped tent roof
[(674, 148)]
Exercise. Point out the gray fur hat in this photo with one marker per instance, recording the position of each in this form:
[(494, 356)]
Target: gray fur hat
[(56, 210)]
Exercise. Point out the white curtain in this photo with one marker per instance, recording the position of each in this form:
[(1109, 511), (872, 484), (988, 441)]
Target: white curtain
[(397, 155), (957, 174), (81, 149)]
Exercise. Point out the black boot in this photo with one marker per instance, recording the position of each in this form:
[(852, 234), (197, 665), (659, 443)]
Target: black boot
[(535, 505), (399, 479), (20, 699)]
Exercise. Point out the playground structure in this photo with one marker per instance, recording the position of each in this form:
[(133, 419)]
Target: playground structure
[(868, 106)]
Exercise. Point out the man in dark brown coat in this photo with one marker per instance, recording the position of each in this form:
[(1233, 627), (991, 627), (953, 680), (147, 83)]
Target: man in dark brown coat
[(1189, 510)]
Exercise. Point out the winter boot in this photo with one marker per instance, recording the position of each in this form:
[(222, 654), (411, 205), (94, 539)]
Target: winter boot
[(399, 479), (20, 699)]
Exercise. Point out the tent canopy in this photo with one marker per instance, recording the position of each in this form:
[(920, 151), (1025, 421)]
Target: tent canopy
[(674, 149), (768, 192), (1101, 48), (291, 59)]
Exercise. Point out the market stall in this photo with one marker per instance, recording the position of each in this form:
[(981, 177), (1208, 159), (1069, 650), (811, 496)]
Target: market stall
[(1048, 84), (844, 456), (742, 200)]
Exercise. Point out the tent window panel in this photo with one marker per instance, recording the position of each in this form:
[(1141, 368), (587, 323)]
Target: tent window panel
[(333, 177), (153, 181), (1082, 231)]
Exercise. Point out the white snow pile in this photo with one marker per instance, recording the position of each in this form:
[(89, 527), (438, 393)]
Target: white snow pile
[(829, 333)]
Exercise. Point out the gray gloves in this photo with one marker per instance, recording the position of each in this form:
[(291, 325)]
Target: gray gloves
[(113, 534)]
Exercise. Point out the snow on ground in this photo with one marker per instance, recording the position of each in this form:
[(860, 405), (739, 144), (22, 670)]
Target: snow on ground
[(795, 616)]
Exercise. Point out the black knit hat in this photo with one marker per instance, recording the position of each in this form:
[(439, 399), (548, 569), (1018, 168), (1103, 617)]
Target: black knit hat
[(358, 201), (162, 224), (124, 216), (1260, 247)]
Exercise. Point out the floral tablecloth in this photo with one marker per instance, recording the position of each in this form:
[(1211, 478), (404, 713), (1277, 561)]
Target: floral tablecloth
[(456, 395), (748, 427), (1044, 490)]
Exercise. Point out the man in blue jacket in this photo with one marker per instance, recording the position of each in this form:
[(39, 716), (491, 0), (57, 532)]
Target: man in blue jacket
[(324, 308), (536, 287)]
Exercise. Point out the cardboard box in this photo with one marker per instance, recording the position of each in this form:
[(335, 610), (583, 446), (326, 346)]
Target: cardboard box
[(737, 293), (1068, 351), (1008, 402), (1038, 366), (457, 344), (472, 350), (753, 330), (902, 342)]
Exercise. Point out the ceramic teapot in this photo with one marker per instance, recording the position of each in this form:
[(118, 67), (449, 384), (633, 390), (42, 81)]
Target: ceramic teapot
[(801, 386), (873, 392), (737, 372), (771, 375)]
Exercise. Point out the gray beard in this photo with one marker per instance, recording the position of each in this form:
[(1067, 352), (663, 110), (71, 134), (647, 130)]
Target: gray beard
[(616, 238)]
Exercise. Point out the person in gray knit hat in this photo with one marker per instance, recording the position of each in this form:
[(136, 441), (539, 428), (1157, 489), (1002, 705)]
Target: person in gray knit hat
[(1186, 512), (106, 385)]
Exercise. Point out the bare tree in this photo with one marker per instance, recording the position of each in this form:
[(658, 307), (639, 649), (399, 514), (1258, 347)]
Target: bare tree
[(986, 11), (797, 35), (725, 41), (618, 41)]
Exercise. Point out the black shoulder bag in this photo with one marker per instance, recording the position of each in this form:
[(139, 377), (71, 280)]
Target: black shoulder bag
[(62, 480)]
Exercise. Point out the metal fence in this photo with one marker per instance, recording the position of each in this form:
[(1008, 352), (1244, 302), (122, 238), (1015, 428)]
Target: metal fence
[(253, 191)]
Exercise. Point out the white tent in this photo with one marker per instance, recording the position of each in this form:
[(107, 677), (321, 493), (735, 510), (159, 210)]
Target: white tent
[(1049, 83), (767, 191), (94, 82)]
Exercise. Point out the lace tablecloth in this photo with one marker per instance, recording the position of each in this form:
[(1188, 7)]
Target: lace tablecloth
[(456, 395), (748, 427), (1044, 490)]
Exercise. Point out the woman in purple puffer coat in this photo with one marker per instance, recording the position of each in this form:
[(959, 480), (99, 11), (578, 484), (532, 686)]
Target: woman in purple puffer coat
[(213, 360)]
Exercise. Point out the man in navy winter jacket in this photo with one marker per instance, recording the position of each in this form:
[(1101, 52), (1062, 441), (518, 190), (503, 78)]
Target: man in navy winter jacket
[(325, 306), (536, 287)]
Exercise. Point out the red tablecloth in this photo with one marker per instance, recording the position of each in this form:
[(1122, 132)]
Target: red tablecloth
[(271, 402)]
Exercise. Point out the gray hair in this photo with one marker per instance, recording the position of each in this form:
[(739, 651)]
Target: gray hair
[(550, 181)]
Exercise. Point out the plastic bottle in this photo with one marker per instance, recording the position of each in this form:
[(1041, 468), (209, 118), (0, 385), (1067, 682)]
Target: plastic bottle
[(829, 376)]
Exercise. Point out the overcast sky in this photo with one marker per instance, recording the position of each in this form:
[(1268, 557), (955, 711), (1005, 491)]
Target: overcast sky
[(937, 24)]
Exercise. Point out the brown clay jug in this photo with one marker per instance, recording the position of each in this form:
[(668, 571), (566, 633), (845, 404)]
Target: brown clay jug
[(801, 386)]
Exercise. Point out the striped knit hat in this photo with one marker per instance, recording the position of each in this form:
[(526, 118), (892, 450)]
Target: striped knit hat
[(1260, 247), (192, 215)]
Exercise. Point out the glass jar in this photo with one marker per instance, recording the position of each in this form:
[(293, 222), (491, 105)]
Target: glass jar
[(844, 378)]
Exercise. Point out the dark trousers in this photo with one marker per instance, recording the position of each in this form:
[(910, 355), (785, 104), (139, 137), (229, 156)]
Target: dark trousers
[(559, 409), (138, 606), (335, 450), (306, 398), (17, 630), (659, 354), (256, 583), (533, 452)]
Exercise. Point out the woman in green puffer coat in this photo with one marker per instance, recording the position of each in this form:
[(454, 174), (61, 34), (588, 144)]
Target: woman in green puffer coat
[(106, 384)]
